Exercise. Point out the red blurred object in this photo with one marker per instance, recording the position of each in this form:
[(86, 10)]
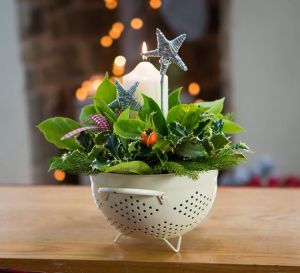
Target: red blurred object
[(254, 182), (292, 181), (274, 182)]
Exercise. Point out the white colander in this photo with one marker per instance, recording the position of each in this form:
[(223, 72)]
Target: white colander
[(157, 206)]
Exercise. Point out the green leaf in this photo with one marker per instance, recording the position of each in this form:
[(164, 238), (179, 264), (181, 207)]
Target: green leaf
[(131, 128), (103, 108), (214, 107), (174, 97), (231, 127), (125, 114), (151, 111), (163, 145), (106, 91), (55, 128), (191, 150), (137, 167), (185, 114), (87, 111)]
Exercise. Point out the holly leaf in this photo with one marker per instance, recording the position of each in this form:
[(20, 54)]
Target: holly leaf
[(174, 97), (219, 141), (177, 129), (217, 126), (130, 129), (151, 111), (87, 111), (191, 150), (231, 127), (137, 167), (54, 129), (106, 91), (112, 144)]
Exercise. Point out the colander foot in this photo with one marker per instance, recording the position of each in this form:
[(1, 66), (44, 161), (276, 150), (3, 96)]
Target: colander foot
[(178, 244), (117, 238)]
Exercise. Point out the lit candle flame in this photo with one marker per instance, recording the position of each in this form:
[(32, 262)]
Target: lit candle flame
[(144, 50)]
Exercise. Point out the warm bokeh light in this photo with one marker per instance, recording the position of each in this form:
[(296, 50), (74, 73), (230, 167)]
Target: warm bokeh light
[(118, 70), (118, 26), (106, 41), (199, 100), (136, 23), (155, 4), (95, 84), (194, 88), (111, 4), (81, 94), (120, 61), (114, 34), (59, 175), (86, 85)]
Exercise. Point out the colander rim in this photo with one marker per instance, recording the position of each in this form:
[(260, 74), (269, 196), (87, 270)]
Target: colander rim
[(146, 175)]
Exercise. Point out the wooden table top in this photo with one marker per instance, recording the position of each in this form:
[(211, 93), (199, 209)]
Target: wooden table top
[(59, 229)]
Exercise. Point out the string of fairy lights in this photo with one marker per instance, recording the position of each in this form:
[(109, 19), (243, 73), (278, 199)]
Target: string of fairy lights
[(89, 86)]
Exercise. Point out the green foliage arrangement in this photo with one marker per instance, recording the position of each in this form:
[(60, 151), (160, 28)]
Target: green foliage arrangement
[(193, 138)]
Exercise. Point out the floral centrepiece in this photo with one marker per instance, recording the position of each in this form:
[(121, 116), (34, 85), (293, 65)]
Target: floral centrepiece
[(110, 138)]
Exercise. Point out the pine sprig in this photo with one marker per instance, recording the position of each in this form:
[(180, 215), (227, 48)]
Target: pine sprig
[(175, 168)]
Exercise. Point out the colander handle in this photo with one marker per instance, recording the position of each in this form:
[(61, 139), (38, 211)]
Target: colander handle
[(143, 192)]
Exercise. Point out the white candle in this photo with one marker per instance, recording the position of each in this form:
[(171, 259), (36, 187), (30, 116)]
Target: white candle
[(149, 84)]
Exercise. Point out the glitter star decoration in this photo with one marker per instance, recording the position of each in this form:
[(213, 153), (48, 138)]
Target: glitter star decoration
[(125, 98), (167, 51)]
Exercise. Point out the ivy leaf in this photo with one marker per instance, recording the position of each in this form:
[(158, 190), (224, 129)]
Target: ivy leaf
[(87, 111), (131, 128), (214, 107), (137, 167), (174, 97), (103, 108), (151, 111), (231, 127), (106, 91), (185, 114), (191, 150), (54, 129)]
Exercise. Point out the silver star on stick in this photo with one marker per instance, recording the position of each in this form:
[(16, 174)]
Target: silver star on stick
[(167, 51), (125, 97)]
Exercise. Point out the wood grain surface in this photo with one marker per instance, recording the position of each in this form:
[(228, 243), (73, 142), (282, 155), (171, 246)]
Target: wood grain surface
[(59, 229)]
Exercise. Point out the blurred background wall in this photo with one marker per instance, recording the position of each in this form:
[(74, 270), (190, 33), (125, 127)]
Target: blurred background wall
[(15, 165), (264, 43)]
